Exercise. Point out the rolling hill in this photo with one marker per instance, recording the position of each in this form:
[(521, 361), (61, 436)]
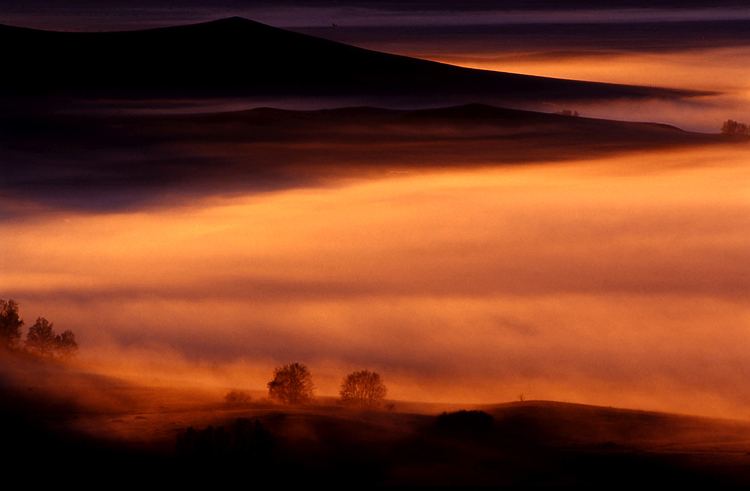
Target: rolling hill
[(108, 159), (241, 58), (65, 416)]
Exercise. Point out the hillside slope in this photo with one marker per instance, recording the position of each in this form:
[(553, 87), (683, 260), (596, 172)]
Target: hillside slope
[(533, 442), (239, 57)]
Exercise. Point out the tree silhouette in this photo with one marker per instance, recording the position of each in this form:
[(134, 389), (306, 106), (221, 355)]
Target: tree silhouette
[(733, 128), (363, 388), (41, 338), (291, 384), (10, 324), (66, 344)]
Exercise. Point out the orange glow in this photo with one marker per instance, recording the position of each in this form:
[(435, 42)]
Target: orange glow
[(621, 281), (710, 69), (724, 70)]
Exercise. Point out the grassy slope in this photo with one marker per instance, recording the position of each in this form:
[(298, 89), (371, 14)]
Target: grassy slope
[(532, 442)]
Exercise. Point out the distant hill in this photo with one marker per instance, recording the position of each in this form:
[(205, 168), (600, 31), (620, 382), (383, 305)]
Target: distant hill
[(111, 159), (241, 58)]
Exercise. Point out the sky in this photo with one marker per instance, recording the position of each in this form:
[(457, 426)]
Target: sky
[(619, 280), (137, 14)]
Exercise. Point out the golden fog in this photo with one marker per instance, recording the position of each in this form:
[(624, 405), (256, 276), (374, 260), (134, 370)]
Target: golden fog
[(621, 281), (640, 54), (724, 70)]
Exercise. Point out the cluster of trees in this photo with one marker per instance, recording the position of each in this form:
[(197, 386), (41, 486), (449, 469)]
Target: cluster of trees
[(733, 128), (292, 384), (41, 338)]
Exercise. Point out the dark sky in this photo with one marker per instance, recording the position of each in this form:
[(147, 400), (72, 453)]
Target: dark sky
[(135, 14)]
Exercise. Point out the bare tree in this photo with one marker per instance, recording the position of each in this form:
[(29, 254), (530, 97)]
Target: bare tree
[(291, 384), (363, 388), (10, 324)]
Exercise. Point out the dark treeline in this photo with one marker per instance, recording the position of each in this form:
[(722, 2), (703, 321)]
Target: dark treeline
[(41, 338)]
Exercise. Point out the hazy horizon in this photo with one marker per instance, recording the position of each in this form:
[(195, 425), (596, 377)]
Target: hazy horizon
[(615, 280), (555, 281)]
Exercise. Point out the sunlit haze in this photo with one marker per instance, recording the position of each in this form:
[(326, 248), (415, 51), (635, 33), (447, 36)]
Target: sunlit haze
[(622, 281), (615, 279)]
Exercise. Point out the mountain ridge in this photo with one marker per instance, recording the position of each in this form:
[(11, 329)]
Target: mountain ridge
[(241, 57)]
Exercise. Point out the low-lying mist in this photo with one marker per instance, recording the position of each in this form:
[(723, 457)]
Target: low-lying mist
[(705, 54), (610, 268), (618, 281), (723, 70)]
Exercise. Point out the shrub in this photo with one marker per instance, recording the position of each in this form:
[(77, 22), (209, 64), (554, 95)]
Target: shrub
[(237, 398)]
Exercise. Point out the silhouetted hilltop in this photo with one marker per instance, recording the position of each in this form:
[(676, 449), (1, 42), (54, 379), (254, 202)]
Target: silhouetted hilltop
[(239, 57)]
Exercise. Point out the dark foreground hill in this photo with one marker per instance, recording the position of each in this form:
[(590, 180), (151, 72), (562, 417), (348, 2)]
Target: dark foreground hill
[(241, 58), (105, 159), (59, 422)]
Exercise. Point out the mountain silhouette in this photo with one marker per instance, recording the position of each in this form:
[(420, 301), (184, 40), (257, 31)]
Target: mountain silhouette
[(242, 58)]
